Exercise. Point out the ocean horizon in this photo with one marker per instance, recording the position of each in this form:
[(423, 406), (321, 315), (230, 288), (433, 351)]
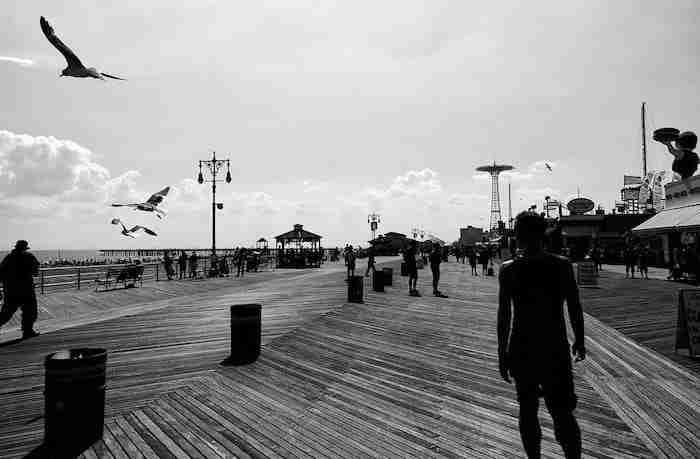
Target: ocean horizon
[(54, 254)]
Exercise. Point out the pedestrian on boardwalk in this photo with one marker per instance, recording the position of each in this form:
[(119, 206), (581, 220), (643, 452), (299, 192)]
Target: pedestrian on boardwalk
[(193, 265), (240, 262), (435, 259), (409, 257), (168, 265), (471, 254), (536, 354), (350, 261), (643, 262), (484, 257), (182, 264), (370, 261), (17, 271), (629, 257)]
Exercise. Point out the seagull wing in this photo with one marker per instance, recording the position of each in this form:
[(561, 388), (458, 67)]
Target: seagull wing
[(116, 221), (124, 205), (146, 230), (70, 56), (548, 167), (112, 76), (158, 197)]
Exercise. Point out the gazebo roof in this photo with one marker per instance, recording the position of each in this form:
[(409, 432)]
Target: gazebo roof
[(298, 234), (262, 239)]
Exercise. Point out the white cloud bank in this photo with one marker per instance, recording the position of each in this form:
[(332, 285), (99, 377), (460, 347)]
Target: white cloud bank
[(17, 60)]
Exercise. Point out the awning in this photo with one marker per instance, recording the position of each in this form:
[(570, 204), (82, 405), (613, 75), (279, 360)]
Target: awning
[(679, 218)]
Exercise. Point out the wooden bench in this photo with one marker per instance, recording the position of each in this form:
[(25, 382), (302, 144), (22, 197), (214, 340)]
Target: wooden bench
[(121, 275)]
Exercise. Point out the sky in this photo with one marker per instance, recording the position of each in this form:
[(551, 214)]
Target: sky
[(329, 111)]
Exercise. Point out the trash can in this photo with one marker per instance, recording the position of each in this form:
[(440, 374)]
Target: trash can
[(404, 269), (388, 276), (378, 280), (74, 400), (356, 289), (245, 334)]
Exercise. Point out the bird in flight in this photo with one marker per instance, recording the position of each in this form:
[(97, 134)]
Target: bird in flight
[(151, 205), (131, 232), (75, 67), (548, 166)]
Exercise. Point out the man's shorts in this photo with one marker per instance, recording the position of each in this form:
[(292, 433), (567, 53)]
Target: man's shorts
[(412, 270), (555, 386)]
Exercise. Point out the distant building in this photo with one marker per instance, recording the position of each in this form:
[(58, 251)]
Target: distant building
[(389, 244), (470, 235)]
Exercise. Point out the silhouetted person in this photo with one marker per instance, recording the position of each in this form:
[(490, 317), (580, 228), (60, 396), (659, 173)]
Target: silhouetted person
[(16, 272), (685, 160), (435, 259), (536, 354), (240, 263), (409, 257), (193, 265), (630, 259), (182, 264), (350, 260), (168, 265), (484, 257), (472, 255), (370, 261)]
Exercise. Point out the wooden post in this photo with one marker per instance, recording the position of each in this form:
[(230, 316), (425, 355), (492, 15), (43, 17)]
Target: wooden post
[(42, 281), (78, 278)]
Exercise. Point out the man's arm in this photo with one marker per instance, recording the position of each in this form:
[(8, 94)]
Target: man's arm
[(573, 304), (503, 324), (678, 154)]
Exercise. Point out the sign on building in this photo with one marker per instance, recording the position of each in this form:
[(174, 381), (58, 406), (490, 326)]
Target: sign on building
[(579, 206)]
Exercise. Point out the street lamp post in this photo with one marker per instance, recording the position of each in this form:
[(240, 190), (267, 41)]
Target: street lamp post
[(547, 198), (214, 165), (373, 220)]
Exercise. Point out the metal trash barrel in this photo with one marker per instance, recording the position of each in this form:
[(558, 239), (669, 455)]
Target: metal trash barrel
[(388, 276), (585, 274), (378, 280), (356, 289), (245, 334), (74, 400), (404, 269)]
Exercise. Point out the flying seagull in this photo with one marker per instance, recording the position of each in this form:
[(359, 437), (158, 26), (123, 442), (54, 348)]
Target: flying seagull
[(548, 166), (151, 205), (75, 67), (135, 229)]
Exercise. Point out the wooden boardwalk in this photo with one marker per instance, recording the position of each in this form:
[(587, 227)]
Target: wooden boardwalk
[(396, 376)]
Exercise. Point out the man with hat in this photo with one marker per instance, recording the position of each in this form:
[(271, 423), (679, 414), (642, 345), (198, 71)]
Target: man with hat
[(16, 272), (685, 161)]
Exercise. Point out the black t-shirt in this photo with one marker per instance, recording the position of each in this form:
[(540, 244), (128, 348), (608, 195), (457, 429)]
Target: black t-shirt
[(435, 259), (538, 286), (687, 166), (410, 257)]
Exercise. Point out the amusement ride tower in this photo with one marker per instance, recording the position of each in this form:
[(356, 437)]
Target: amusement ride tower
[(494, 170)]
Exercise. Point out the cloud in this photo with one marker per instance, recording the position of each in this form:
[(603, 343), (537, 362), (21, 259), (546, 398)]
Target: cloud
[(17, 60), (312, 186)]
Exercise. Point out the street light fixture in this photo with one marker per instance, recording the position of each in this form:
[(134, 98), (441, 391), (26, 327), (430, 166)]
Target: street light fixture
[(373, 220), (214, 165), (547, 198)]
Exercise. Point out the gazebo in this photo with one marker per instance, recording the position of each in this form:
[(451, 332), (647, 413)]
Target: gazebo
[(261, 244), (299, 248)]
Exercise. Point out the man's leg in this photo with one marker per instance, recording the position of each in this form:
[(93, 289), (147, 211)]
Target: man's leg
[(529, 424), (29, 315), (561, 402)]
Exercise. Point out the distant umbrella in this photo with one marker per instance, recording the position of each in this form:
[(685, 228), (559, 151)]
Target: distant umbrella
[(134, 230), (151, 205), (75, 67)]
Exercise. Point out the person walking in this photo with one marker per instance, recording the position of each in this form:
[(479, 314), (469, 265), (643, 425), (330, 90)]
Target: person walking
[(533, 287), (17, 271), (370, 261), (182, 265), (409, 257), (240, 263), (435, 259), (472, 255), (168, 265), (643, 262), (350, 260), (193, 265), (484, 257), (629, 258)]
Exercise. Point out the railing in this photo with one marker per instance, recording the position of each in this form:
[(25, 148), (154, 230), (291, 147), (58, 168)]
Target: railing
[(57, 279)]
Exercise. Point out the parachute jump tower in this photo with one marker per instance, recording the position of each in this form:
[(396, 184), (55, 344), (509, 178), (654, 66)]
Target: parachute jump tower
[(494, 170)]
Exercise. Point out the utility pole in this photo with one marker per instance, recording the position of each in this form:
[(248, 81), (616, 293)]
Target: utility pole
[(214, 165), (644, 141)]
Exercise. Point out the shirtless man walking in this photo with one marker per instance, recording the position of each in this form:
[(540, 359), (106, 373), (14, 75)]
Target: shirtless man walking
[(536, 353)]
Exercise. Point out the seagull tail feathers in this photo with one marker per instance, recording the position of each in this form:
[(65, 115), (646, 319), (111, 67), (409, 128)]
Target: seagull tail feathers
[(112, 76)]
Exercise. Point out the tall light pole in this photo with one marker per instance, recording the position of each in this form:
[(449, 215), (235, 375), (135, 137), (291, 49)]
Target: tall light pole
[(547, 198), (373, 220), (214, 165)]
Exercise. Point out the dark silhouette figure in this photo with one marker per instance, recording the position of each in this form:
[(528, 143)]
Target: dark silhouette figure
[(168, 265), (435, 260), (409, 257), (370, 261), (16, 272), (240, 262), (182, 264), (350, 260), (484, 257), (536, 354), (193, 265), (472, 255)]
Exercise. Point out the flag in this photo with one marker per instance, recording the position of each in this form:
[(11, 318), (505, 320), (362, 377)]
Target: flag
[(632, 180)]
